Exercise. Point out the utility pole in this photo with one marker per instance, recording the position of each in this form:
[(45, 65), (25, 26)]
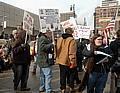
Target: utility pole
[(74, 10), (95, 21)]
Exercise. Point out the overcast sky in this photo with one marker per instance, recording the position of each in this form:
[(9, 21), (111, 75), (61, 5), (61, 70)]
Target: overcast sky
[(84, 8)]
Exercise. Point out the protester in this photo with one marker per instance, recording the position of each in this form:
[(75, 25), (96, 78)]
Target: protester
[(66, 58), (33, 55), (115, 47), (81, 44), (21, 61), (45, 61), (79, 55), (2, 65), (2, 35), (99, 68)]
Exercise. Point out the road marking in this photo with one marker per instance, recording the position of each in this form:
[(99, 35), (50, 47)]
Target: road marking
[(5, 90), (5, 77)]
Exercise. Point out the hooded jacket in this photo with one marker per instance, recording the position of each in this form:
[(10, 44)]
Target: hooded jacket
[(103, 68), (66, 50), (44, 52)]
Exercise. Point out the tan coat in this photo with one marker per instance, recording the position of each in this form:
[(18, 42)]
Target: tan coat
[(66, 51)]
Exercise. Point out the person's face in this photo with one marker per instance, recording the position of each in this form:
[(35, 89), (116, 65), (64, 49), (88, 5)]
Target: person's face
[(15, 35), (49, 34), (98, 41)]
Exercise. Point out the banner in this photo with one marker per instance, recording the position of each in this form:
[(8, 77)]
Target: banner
[(49, 19), (69, 23), (82, 32), (28, 22)]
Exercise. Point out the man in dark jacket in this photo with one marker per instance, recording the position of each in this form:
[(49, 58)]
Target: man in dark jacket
[(45, 60), (66, 58), (115, 47), (21, 61)]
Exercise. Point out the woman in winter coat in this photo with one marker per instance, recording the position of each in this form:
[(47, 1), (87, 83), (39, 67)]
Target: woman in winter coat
[(98, 74)]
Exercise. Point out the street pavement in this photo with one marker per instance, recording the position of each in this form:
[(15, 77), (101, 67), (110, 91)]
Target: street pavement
[(6, 81)]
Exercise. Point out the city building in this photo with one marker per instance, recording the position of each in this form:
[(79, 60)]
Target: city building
[(66, 16), (14, 17), (104, 14), (107, 3)]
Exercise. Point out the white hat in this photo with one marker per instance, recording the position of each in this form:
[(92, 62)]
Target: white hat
[(14, 32), (43, 31)]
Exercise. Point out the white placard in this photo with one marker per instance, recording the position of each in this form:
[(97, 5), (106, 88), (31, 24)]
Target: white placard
[(28, 22), (49, 17), (69, 23), (82, 32)]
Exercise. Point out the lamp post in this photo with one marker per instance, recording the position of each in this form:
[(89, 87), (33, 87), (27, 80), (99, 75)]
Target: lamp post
[(95, 21)]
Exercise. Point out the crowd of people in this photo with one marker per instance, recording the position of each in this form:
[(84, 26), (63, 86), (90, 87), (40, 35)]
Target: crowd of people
[(93, 57)]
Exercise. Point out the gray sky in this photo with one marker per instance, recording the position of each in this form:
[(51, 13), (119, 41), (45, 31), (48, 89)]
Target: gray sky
[(84, 8)]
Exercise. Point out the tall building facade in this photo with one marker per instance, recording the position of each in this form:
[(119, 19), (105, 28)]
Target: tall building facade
[(13, 17), (66, 16), (104, 14), (107, 3)]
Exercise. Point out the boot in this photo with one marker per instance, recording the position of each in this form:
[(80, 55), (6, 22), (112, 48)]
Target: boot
[(63, 91)]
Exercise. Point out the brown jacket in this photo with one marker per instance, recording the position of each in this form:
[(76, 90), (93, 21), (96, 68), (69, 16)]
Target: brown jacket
[(66, 51)]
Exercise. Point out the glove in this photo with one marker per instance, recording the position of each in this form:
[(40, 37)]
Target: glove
[(23, 45), (53, 43), (72, 65)]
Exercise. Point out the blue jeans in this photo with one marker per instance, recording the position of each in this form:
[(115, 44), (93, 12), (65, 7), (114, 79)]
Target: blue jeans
[(96, 82), (21, 73), (45, 79)]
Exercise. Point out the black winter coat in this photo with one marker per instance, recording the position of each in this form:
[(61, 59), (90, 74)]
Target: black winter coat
[(105, 67)]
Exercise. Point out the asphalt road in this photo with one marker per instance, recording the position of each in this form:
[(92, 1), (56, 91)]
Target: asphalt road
[(6, 83)]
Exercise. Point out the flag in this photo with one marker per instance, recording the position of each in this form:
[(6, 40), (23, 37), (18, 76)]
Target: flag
[(108, 28), (111, 24), (105, 39)]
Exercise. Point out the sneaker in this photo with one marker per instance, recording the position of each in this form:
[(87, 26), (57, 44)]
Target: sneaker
[(78, 82), (1, 71), (25, 89), (34, 72), (52, 91), (41, 91), (15, 88), (63, 91), (70, 90)]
